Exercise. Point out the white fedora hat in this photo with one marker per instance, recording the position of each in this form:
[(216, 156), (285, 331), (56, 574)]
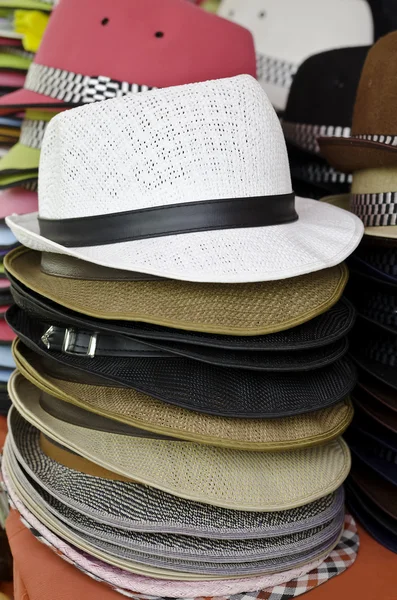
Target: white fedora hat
[(286, 32), (188, 183)]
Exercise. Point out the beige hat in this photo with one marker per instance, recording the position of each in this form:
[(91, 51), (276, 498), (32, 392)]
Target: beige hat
[(257, 481)]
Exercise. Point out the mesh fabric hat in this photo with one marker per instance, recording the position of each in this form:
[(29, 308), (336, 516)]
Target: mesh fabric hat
[(197, 386), (223, 213), (134, 507), (155, 46), (244, 310), (138, 410), (180, 551), (284, 43), (229, 478)]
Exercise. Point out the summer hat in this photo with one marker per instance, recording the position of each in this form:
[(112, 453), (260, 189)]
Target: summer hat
[(220, 391), (243, 310), (372, 143), (284, 34), (17, 200), (31, 539), (174, 551), (324, 330), (134, 507), (127, 407), (222, 186), (157, 44), (241, 480)]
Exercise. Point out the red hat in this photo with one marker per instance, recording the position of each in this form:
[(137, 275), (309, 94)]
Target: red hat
[(99, 49)]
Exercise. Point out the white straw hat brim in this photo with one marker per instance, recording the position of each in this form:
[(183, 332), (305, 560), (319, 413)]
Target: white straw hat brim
[(324, 236)]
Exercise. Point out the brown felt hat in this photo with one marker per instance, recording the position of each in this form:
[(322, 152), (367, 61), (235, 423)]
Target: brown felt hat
[(373, 140)]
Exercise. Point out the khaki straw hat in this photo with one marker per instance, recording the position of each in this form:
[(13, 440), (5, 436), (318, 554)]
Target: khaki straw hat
[(257, 481), (242, 309), (127, 406)]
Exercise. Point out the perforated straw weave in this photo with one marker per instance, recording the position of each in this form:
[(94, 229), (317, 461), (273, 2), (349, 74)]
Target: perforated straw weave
[(207, 141), (142, 411), (135, 507), (246, 309), (236, 479)]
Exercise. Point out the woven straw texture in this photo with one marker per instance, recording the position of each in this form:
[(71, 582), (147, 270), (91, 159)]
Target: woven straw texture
[(328, 327), (246, 309), (134, 507), (256, 481), (141, 411), (153, 548), (207, 141), (198, 386), (116, 556)]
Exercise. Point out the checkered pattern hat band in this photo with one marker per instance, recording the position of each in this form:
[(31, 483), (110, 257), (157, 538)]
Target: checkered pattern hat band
[(74, 88), (12, 51), (383, 351), (381, 308), (32, 133), (305, 136), (390, 140), (319, 173), (275, 71), (375, 210)]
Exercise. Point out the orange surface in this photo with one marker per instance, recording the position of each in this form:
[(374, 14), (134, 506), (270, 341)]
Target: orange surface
[(3, 431), (42, 575)]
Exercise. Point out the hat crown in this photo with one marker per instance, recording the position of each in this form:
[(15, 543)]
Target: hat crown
[(323, 24), (375, 107), (157, 43), (204, 141), (324, 88)]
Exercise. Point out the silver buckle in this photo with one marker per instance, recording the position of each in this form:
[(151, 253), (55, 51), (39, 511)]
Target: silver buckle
[(70, 338), (46, 337)]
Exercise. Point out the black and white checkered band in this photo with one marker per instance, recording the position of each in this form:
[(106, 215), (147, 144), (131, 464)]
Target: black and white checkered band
[(375, 210), (383, 452), (275, 71), (74, 88), (12, 51), (32, 133), (305, 136), (383, 351), (390, 140), (381, 308), (31, 186), (315, 173)]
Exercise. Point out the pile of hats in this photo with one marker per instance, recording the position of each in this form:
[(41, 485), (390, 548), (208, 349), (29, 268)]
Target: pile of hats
[(371, 155), (182, 379), (22, 25), (105, 36)]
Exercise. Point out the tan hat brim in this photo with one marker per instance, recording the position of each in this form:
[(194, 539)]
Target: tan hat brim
[(130, 407), (241, 309), (239, 480)]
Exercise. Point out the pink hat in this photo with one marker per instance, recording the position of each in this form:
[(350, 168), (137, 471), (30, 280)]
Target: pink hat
[(18, 201), (6, 333), (120, 47), (12, 79)]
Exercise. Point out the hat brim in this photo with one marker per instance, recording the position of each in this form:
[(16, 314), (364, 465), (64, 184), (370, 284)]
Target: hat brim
[(19, 159), (323, 236), (381, 466), (17, 179), (343, 201), (245, 481), (13, 62), (236, 310), (380, 491), (144, 412), (350, 154), (22, 99)]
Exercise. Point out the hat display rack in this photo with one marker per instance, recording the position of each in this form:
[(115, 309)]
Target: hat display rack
[(194, 319)]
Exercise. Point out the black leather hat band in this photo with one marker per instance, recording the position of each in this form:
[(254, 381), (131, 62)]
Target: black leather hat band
[(175, 219)]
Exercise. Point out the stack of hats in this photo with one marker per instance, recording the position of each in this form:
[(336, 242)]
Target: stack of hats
[(170, 42), (371, 155), (287, 32), (22, 24), (182, 379)]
